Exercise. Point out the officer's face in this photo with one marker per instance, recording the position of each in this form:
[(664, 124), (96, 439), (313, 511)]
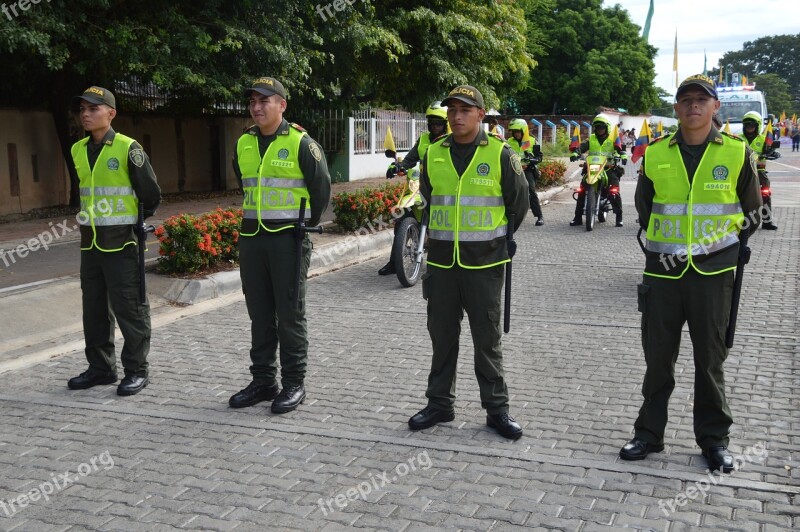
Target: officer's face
[(267, 111), (517, 134), (749, 126), (436, 127), (96, 117), (695, 108), (465, 120)]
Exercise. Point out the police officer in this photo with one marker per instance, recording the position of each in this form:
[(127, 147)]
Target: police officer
[(115, 176), (277, 164), (600, 142), (761, 144), (694, 193), (437, 126), (526, 148), (472, 182)]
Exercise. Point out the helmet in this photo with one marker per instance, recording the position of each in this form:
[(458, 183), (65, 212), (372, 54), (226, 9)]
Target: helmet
[(754, 116), (436, 110), (518, 124), (602, 120)]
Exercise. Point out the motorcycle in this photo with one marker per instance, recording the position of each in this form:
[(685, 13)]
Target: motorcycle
[(599, 195), (408, 245)]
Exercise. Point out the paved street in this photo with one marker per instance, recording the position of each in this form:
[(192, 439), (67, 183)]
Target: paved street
[(177, 456)]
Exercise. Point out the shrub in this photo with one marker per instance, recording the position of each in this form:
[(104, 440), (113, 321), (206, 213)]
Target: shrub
[(193, 243), (353, 210), (552, 173), (560, 148)]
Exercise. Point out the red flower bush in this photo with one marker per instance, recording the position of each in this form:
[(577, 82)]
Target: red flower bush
[(353, 210), (193, 243)]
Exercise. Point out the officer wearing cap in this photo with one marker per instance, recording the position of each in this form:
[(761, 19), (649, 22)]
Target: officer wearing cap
[(761, 144), (115, 176), (473, 182), (277, 164), (697, 189)]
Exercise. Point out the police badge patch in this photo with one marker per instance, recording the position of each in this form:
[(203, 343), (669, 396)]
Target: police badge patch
[(137, 157), (113, 164), (283, 153), (516, 164), (483, 169), (720, 173), (315, 151)]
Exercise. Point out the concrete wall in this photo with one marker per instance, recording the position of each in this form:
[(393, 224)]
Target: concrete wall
[(189, 154)]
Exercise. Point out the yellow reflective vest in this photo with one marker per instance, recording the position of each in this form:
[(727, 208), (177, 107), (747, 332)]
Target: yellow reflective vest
[(606, 148), (106, 194), (694, 219), (424, 143), (468, 222), (758, 147), (273, 185)]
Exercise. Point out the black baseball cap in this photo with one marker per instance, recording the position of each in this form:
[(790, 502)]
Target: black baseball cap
[(704, 82), (467, 94), (97, 96), (267, 87)]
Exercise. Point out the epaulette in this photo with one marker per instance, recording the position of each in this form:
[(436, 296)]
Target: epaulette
[(251, 129), (497, 136), (732, 136), (659, 139), (298, 127)]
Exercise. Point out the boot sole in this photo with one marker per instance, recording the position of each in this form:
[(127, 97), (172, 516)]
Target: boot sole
[(634, 458), (109, 380), (444, 419)]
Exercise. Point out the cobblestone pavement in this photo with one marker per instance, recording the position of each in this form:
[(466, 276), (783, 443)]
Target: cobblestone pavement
[(177, 456)]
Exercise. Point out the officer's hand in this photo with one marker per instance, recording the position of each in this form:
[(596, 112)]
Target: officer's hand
[(512, 248), (391, 171)]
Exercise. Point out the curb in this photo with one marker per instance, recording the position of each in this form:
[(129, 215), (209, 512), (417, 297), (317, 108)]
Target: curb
[(345, 251)]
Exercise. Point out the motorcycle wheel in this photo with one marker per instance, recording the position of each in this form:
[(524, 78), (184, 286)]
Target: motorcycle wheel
[(406, 241), (590, 207)]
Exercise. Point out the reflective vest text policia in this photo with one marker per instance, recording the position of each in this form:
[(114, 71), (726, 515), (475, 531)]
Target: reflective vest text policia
[(273, 185), (467, 215), (107, 197), (697, 219)]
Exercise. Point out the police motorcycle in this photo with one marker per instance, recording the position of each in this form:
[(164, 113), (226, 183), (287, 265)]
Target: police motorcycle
[(409, 235), (599, 195)]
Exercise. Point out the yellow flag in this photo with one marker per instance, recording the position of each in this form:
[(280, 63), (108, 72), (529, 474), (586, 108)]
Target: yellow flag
[(783, 116), (660, 128), (744, 79), (675, 58), (794, 119), (720, 75), (388, 142), (727, 128), (768, 129)]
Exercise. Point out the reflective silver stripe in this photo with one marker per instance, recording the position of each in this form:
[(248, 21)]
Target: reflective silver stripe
[(277, 215), (481, 236), (437, 234), (664, 247), (677, 209), (445, 201), (680, 249), (273, 182), (482, 201), (716, 209), (115, 220), (107, 191)]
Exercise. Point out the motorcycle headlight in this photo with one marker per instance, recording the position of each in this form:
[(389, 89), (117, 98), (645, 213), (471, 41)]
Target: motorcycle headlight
[(594, 168)]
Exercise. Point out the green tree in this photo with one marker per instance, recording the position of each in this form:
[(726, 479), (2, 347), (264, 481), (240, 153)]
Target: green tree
[(776, 91), (777, 54), (594, 57)]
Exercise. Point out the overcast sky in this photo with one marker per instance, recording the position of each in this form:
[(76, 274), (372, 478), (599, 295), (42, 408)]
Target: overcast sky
[(716, 26)]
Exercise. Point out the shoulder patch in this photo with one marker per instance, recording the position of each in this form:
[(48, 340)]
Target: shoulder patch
[(297, 127), (316, 152), (137, 157), (516, 164)]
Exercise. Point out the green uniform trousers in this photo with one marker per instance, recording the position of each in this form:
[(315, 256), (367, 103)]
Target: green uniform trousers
[(267, 268), (449, 293), (110, 287), (704, 301)]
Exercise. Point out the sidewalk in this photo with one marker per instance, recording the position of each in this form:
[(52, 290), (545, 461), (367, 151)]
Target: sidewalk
[(24, 345)]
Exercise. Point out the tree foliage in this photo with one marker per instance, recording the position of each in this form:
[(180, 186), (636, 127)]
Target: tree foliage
[(777, 54), (776, 92), (594, 57)]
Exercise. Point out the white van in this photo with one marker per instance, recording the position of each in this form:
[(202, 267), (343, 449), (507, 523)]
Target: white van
[(738, 100)]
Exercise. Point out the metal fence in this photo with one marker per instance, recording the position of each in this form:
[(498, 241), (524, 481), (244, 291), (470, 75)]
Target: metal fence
[(377, 122)]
